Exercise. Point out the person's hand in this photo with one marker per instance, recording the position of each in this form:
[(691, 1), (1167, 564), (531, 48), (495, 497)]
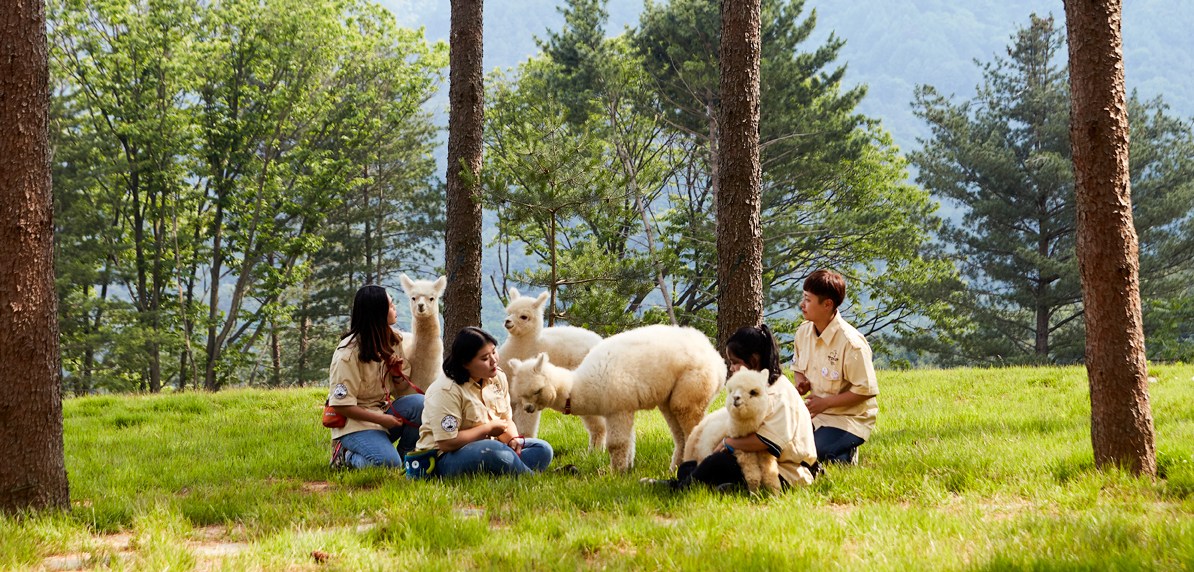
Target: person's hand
[(390, 422), (816, 405), (497, 427), (803, 385), (516, 443)]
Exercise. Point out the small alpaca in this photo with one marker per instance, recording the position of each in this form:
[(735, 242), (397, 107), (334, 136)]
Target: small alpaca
[(747, 405), (673, 368), (565, 346), (424, 347)]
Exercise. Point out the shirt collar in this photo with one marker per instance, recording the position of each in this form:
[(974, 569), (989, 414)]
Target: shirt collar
[(832, 329)]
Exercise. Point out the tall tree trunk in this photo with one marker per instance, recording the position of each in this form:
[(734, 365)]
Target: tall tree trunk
[(739, 232), (33, 474), (466, 97), (1121, 418)]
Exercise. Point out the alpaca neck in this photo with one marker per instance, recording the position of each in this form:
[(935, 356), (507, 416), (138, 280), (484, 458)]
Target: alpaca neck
[(563, 380), (426, 329)]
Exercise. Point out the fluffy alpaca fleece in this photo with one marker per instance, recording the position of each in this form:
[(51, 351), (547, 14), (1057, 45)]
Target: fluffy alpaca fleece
[(747, 405), (424, 346), (565, 346), (675, 369)]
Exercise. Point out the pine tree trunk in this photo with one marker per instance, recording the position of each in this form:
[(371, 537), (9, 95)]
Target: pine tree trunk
[(33, 473), (1121, 418), (466, 97), (739, 232)]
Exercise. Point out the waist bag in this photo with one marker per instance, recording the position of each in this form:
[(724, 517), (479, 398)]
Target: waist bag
[(331, 419), (420, 464)]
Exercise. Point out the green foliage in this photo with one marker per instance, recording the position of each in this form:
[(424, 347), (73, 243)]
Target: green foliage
[(210, 158), (1004, 158), (969, 468)]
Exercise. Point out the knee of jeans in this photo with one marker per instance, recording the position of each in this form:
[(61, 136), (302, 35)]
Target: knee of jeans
[(497, 456)]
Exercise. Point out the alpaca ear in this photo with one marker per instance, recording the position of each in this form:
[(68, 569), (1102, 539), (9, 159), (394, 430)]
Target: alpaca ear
[(440, 285), (406, 283), (539, 361), (514, 363), (514, 294), (541, 299)]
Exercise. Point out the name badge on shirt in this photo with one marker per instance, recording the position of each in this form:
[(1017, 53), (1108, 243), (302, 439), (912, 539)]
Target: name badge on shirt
[(825, 372)]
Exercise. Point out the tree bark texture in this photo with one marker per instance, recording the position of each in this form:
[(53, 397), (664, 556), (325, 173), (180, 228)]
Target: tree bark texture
[(739, 232), (33, 473), (1108, 261), (466, 98)]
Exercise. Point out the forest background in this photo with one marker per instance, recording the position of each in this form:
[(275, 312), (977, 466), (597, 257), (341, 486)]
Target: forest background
[(289, 153)]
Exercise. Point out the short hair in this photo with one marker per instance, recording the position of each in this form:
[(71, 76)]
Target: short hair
[(756, 341), (464, 348), (369, 325), (826, 284)]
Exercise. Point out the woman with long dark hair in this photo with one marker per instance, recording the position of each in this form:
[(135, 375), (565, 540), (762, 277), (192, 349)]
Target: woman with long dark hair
[(467, 427), (369, 388)]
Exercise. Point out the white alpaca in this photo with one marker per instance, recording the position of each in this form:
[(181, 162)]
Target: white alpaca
[(424, 346), (746, 406), (565, 346), (675, 369)]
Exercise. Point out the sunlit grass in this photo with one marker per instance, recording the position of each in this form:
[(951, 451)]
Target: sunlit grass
[(970, 469)]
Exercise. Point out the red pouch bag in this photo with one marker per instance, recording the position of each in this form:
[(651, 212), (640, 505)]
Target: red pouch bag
[(331, 419)]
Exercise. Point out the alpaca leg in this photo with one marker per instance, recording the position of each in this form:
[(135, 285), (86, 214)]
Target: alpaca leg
[(749, 462), (527, 423), (679, 435), (620, 440), (595, 425), (770, 473)]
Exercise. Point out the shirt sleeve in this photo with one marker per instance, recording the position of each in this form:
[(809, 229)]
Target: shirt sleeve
[(442, 413), (344, 376), (787, 429), (503, 408), (859, 370)]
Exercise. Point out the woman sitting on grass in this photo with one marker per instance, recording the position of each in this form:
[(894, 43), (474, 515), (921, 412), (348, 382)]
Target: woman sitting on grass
[(362, 383), (786, 433), (467, 426)]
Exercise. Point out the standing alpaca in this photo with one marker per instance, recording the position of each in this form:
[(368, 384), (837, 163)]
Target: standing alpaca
[(747, 404), (675, 369), (565, 346), (424, 347)]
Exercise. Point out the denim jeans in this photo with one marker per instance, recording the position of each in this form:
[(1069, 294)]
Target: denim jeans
[(491, 457), (375, 448), (835, 445)]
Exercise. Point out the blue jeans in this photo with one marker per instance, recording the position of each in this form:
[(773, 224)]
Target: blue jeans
[(491, 457), (375, 448), (835, 445)]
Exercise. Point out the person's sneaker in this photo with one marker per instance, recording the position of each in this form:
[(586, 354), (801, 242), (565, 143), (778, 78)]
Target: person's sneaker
[(730, 488), (568, 470), (339, 454), (854, 456)]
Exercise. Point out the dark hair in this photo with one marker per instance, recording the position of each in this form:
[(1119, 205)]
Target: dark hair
[(369, 324), (826, 284), (464, 348), (756, 341)]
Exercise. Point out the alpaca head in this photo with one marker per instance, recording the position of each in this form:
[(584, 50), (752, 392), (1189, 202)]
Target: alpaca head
[(524, 314), (424, 295), (533, 387), (746, 395)]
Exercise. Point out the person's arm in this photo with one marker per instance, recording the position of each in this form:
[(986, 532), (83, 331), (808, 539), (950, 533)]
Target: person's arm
[(751, 443), (817, 405), (463, 437), (361, 414), (803, 385)]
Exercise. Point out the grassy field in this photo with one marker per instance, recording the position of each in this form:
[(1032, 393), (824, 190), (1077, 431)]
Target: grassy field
[(970, 469)]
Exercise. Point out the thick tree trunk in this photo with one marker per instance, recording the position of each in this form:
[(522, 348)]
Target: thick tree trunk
[(466, 97), (1121, 418), (739, 232), (33, 473)]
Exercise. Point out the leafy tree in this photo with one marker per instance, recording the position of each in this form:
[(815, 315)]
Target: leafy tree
[(1004, 157)]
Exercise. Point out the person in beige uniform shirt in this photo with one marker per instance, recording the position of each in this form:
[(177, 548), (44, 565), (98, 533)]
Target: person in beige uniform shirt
[(786, 432), (466, 425), (832, 365), (368, 387)]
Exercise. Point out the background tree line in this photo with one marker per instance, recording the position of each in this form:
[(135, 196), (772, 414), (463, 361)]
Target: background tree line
[(226, 174)]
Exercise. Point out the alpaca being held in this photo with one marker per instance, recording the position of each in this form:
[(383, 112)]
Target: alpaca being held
[(675, 369), (565, 346), (747, 405), (424, 347)]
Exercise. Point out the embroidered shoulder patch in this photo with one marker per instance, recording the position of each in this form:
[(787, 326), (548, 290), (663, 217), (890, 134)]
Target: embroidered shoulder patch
[(449, 423), (340, 391)]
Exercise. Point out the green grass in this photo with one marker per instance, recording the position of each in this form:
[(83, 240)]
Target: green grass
[(970, 469)]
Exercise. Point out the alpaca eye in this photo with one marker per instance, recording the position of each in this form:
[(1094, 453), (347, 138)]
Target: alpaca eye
[(754, 392), (524, 317), (431, 299)]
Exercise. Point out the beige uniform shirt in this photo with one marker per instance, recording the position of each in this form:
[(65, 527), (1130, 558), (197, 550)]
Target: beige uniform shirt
[(834, 362), (353, 382), (788, 427), (449, 408)]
